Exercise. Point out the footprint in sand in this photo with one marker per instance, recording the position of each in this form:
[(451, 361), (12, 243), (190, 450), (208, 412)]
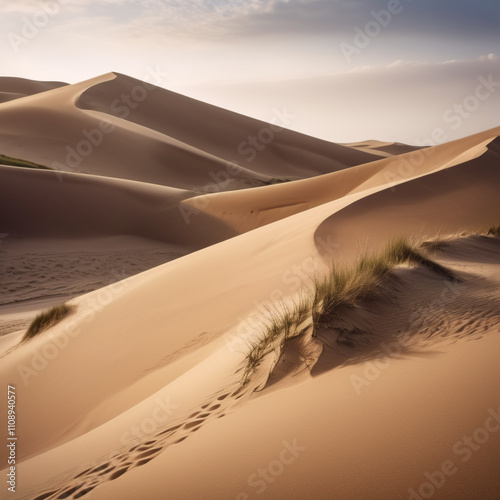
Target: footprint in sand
[(195, 423)]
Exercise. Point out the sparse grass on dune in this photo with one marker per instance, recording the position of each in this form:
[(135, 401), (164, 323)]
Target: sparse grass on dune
[(493, 231), (400, 252), (347, 286), (17, 162), (342, 287), (46, 319), (439, 243), (282, 324)]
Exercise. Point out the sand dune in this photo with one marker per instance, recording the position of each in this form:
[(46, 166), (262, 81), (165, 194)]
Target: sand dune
[(91, 206), (52, 129), (139, 392), (225, 134), (15, 88), (247, 210), (385, 149), (196, 146), (342, 443), (88, 231)]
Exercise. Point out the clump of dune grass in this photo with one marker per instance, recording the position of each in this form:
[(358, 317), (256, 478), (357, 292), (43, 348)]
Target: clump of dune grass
[(493, 231), (46, 319), (347, 286), (282, 323), (400, 252), (437, 245), (342, 287), (17, 162)]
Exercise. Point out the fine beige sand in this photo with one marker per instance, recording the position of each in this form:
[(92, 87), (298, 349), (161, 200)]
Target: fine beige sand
[(14, 88), (173, 247)]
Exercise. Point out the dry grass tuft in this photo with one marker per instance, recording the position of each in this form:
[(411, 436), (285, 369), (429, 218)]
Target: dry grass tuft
[(493, 231), (17, 162), (342, 287), (46, 319)]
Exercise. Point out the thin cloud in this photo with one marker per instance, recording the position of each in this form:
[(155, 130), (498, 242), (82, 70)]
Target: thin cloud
[(340, 18), (239, 19), (403, 101)]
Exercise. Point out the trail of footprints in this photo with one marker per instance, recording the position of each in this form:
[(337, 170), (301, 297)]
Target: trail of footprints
[(142, 453)]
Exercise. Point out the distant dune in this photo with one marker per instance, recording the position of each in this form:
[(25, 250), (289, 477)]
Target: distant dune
[(183, 235), (15, 88)]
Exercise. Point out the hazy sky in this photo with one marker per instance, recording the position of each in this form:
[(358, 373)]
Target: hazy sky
[(347, 70)]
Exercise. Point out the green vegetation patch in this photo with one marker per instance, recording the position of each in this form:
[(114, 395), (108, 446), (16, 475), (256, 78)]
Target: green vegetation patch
[(17, 162)]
